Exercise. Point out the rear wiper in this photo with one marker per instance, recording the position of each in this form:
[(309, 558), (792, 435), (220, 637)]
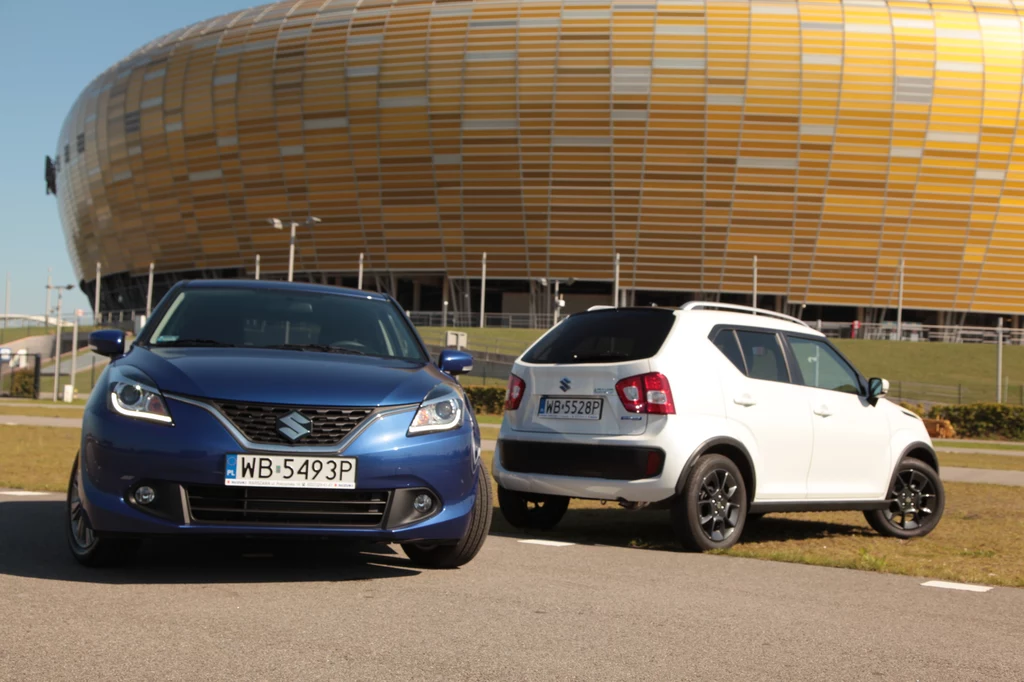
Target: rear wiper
[(314, 347), (194, 342)]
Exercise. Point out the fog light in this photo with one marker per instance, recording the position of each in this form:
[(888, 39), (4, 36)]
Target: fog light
[(145, 495), (423, 503)]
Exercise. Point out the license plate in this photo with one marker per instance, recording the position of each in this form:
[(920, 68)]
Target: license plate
[(277, 471), (552, 407)]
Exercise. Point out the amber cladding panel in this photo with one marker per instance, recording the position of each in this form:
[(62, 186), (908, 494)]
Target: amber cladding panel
[(831, 139)]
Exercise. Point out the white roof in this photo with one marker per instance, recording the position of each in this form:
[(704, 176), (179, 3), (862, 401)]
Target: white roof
[(711, 314)]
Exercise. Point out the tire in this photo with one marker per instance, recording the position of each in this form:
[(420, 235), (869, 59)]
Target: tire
[(453, 556), (87, 548), (531, 511), (917, 499), (715, 492)]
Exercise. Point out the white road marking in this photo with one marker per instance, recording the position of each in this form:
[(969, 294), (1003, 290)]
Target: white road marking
[(547, 543), (956, 586), (20, 493)]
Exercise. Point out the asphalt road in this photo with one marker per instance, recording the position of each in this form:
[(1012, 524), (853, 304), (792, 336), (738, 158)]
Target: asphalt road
[(518, 612)]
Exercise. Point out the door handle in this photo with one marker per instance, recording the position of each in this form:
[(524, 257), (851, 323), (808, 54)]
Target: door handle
[(745, 400), (823, 411)]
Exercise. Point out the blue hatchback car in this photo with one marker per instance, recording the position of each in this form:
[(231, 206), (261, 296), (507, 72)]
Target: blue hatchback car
[(265, 408)]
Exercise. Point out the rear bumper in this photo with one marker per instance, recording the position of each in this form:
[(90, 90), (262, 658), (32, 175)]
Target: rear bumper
[(635, 470)]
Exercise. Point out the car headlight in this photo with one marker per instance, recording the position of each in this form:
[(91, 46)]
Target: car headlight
[(441, 410), (134, 395)]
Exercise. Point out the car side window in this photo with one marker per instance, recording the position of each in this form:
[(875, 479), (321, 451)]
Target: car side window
[(725, 341), (764, 356), (822, 367)]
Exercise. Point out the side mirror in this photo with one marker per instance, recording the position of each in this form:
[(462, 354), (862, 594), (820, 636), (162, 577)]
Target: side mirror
[(139, 323), (455, 362), (877, 388), (107, 342)]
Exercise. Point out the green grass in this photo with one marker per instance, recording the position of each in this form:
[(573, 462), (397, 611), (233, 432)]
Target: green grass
[(998, 462), (16, 333), (933, 372), (489, 339), (37, 457)]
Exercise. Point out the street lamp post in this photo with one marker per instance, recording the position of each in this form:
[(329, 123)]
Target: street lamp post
[(56, 359), (149, 291), (278, 224), (7, 306)]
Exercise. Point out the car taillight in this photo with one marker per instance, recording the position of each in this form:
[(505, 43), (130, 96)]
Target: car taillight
[(646, 394), (514, 395)]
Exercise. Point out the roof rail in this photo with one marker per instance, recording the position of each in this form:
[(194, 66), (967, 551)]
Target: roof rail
[(600, 307), (697, 305)]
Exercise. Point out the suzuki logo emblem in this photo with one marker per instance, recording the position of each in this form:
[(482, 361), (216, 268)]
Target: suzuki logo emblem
[(564, 384), (293, 426)]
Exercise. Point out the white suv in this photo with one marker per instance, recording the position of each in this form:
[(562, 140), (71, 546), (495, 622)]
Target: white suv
[(719, 413)]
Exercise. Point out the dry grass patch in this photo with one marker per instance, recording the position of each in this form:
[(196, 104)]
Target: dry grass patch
[(1000, 462), (979, 540), (37, 457), (40, 412)]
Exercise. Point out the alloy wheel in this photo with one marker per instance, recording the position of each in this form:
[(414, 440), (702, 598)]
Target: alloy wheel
[(718, 513), (912, 500)]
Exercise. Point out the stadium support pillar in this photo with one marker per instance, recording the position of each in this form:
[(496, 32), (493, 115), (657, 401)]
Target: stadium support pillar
[(417, 295), (755, 282), (899, 305), (257, 266), (359, 285), (615, 296)]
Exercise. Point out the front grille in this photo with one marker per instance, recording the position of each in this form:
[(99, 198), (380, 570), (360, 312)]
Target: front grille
[(587, 461), (258, 422), (287, 506)]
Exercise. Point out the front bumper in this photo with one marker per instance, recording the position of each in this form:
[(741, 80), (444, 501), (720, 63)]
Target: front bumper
[(185, 464)]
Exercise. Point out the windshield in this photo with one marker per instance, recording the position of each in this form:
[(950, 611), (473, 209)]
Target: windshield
[(286, 319)]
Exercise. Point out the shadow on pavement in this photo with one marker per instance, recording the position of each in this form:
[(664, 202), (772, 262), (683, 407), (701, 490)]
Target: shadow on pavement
[(33, 545), (651, 529)]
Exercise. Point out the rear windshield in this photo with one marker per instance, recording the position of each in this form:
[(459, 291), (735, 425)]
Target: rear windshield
[(604, 336)]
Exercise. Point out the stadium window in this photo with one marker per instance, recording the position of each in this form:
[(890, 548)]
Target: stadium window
[(67, 153), (80, 143)]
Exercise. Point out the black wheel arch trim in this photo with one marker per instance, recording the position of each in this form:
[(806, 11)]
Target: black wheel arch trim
[(916, 446), (709, 446)]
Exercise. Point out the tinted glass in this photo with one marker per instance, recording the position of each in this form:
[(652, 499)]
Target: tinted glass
[(726, 342), (261, 318), (604, 336), (764, 356), (822, 367)]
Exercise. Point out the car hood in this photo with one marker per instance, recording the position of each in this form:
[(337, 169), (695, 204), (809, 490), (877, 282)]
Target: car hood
[(286, 377)]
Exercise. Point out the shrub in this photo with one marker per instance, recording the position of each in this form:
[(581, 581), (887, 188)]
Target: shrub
[(23, 385), (983, 420), (486, 399), (917, 409)]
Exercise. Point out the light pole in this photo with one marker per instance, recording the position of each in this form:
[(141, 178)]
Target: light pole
[(7, 306), (74, 354), (46, 314), (558, 298), (899, 304), (616, 293), (359, 284), (257, 266), (279, 225), (56, 359), (95, 319), (149, 291)]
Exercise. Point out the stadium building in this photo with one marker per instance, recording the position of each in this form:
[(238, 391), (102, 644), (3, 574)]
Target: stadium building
[(832, 140)]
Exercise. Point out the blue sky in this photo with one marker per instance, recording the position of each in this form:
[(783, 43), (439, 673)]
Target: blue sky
[(49, 52)]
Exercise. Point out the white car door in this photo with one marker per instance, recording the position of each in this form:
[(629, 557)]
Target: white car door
[(851, 455), (761, 398)]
